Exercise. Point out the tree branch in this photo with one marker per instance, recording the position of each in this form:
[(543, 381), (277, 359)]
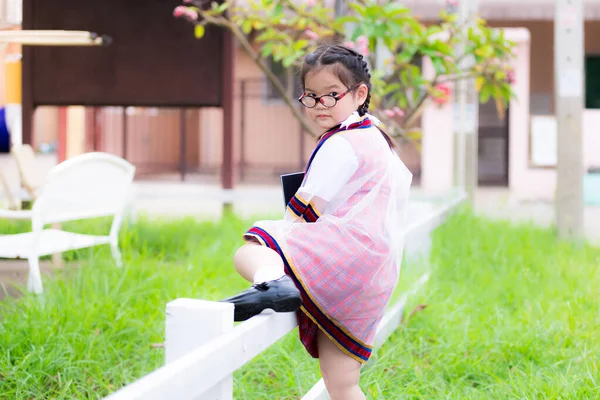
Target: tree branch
[(416, 111), (457, 77), (241, 37), (299, 12)]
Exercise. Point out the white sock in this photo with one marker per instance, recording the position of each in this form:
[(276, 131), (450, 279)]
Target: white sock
[(268, 273)]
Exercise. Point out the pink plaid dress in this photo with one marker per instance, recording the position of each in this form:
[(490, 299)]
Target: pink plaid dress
[(344, 256)]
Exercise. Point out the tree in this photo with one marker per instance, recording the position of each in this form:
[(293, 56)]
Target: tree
[(286, 31)]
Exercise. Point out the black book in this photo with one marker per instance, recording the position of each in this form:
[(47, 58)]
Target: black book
[(290, 184)]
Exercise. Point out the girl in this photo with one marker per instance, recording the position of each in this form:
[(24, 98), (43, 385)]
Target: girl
[(336, 253)]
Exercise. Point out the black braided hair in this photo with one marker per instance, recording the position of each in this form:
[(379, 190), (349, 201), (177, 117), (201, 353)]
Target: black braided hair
[(362, 110), (350, 67)]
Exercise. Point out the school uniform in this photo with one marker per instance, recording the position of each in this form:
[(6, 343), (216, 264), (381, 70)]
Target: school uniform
[(341, 237)]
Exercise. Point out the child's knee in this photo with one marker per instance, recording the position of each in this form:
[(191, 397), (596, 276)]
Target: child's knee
[(340, 375), (340, 380), (241, 254)]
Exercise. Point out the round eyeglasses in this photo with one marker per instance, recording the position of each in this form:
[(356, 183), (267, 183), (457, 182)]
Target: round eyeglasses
[(328, 100)]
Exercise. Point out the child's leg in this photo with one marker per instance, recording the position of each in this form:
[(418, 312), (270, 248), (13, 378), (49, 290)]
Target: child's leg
[(341, 372), (258, 263), (272, 287)]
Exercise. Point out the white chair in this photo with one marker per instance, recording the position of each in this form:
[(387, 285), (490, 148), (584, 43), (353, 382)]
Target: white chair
[(29, 172), (30, 178), (11, 201), (87, 186)]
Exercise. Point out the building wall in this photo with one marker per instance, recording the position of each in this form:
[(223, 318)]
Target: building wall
[(153, 136), (271, 133), (542, 58), (535, 74)]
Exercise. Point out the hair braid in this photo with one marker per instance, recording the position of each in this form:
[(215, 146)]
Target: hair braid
[(364, 108)]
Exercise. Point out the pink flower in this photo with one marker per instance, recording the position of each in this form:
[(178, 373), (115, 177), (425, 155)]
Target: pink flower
[(510, 77), (187, 1), (444, 87), (310, 34), (311, 3), (389, 113), (398, 111), (179, 11), (191, 14), (445, 96), (349, 44), (362, 41)]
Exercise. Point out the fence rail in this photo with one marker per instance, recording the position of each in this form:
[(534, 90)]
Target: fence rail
[(203, 349)]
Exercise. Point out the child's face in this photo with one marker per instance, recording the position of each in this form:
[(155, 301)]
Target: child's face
[(323, 82)]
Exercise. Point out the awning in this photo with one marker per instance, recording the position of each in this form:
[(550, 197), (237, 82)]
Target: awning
[(500, 10)]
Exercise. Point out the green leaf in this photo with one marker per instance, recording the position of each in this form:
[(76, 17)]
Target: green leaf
[(485, 94), (374, 11), (302, 24), (395, 30), (300, 44), (381, 30), (278, 9), (199, 31), (441, 47), (289, 60), (392, 87), (368, 30), (247, 26), (418, 28), (427, 51), (415, 95), (267, 49), (438, 65), (359, 8), (276, 55), (393, 9), (487, 51), (266, 35), (433, 30), (402, 101), (479, 81), (405, 56), (221, 9), (346, 19), (258, 25)]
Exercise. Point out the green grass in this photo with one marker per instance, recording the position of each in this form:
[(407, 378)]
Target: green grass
[(510, 314)]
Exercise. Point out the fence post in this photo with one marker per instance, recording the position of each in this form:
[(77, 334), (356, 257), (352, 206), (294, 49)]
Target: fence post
[(192, 323)]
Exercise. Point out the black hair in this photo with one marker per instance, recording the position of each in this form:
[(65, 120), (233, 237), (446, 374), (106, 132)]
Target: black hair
[(350, 67)]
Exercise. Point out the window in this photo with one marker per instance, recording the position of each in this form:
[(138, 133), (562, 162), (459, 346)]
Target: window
[(592, 81)]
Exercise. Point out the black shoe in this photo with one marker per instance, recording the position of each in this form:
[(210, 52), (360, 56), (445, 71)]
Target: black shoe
[(280, 296)]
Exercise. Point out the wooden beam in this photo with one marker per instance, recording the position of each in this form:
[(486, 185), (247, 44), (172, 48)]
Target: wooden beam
[(228, 101), (27, 106), (53, 38)]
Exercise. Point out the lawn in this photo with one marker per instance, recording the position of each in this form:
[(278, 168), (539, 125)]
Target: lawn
[(510, 314)]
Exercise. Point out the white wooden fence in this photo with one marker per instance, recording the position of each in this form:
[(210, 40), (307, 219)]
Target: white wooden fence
[(203, 349)]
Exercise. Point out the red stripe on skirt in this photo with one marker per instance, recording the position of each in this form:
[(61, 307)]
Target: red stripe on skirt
[(306, 322)]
